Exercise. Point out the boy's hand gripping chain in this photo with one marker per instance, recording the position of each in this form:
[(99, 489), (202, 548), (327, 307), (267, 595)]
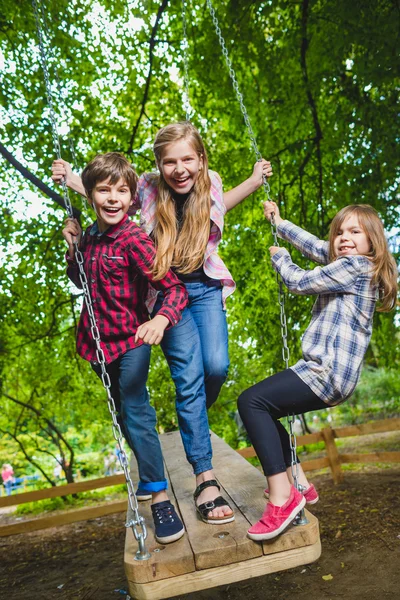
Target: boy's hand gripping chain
[(301, 518), (137, 522)]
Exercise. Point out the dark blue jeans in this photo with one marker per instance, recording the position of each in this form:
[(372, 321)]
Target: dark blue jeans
[(136, 417), (261, 407)]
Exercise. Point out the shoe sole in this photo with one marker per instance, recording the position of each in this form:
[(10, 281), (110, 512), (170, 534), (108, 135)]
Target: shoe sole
[(170, 538), (312, 501), (219, 521), (266, 496), (258, 537), (143, 498)]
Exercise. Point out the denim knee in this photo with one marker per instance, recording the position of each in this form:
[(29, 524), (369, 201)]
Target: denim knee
[(217, 371), (214, 381)]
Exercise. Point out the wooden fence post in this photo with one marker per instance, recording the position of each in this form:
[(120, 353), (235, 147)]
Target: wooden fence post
[(333, 454)]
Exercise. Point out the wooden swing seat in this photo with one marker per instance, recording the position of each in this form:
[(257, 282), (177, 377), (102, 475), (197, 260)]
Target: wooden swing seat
[(211, 555)]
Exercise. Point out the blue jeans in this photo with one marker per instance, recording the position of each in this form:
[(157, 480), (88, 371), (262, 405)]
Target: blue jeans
[(136, 417), (205, 305), (209, 318), (196, 350)]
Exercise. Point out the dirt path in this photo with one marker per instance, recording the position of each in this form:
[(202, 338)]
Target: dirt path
[(360, 534)]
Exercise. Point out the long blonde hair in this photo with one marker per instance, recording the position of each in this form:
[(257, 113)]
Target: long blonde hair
[(183, 249), (384, 265)]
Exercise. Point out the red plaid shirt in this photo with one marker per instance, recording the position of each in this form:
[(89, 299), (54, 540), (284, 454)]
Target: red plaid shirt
[(117, 264)]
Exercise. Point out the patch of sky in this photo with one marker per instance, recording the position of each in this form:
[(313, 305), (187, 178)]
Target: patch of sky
[(77, 105), (4, 117), (7, 66), (175, 74), (111, 29), (77, 34)]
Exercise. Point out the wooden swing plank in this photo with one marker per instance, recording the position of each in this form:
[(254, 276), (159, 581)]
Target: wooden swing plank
[(166, 561), (212, 545), (245, 485), (219, 554)]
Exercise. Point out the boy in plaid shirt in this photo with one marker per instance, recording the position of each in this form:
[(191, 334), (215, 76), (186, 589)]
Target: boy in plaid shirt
[(357, 270), (118, 258)]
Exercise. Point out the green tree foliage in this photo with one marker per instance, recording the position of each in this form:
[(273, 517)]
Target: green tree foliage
[(320, 82)]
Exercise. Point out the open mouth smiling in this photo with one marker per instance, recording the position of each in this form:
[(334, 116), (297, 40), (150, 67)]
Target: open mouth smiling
[(111, 211)]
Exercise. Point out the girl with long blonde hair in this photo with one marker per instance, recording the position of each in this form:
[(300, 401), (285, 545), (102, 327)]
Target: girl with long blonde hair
[(182, 207), (358, 274)]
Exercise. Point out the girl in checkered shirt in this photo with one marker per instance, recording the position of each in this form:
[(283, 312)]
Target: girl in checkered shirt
[(358, 270)]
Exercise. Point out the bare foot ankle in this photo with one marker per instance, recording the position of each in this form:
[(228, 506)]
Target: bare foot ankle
[(159, 497), (209, 494)]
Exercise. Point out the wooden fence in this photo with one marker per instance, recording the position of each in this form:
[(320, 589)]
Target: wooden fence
[(332, 460), (66, 516)]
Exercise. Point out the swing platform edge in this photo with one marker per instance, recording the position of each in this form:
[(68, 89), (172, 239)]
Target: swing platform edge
[(209, 556), (228, 574)]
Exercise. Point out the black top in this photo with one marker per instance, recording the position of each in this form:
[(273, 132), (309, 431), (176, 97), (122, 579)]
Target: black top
[(198, 275)]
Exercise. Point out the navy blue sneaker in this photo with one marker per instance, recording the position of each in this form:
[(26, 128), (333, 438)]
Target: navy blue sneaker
[(168, 525), (142, 495)]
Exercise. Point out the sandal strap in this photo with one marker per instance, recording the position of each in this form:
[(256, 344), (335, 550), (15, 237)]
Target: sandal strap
[(204, 485), (206, 507)]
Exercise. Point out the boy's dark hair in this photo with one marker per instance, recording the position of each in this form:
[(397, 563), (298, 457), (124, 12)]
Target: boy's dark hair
[(111, 166)]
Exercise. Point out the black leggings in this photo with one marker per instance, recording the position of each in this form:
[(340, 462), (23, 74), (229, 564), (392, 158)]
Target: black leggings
[(263, 404)]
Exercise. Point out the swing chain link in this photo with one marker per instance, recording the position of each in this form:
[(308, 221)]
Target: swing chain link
[(60, 89), (238, 93), (281, 301), (136, 522), (186, 100), (281, 292)]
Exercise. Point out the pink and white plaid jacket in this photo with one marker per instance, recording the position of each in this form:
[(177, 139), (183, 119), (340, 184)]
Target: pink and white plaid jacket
[(214, 266)]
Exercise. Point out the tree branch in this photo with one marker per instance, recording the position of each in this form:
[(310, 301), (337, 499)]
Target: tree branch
[(45, 419), (161, 9), (36, 181), (28, 458)]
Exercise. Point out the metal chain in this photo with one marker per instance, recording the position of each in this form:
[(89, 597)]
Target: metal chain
[(186, 100), (281, 292), (54, 127), (137, 522), (60, 88), (238, 93)]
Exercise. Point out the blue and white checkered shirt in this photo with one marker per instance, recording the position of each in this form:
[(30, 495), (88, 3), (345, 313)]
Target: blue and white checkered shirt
[(335, 342)]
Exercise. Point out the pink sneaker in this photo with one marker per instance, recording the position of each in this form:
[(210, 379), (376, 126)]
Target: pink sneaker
[(311, 495), (276, 518)]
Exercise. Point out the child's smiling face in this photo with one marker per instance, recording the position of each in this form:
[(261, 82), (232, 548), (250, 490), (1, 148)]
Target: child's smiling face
[(180, 166), (110, 202), (351, 238)]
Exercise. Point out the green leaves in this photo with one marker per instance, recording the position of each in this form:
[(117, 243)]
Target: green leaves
[(320, 83)]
